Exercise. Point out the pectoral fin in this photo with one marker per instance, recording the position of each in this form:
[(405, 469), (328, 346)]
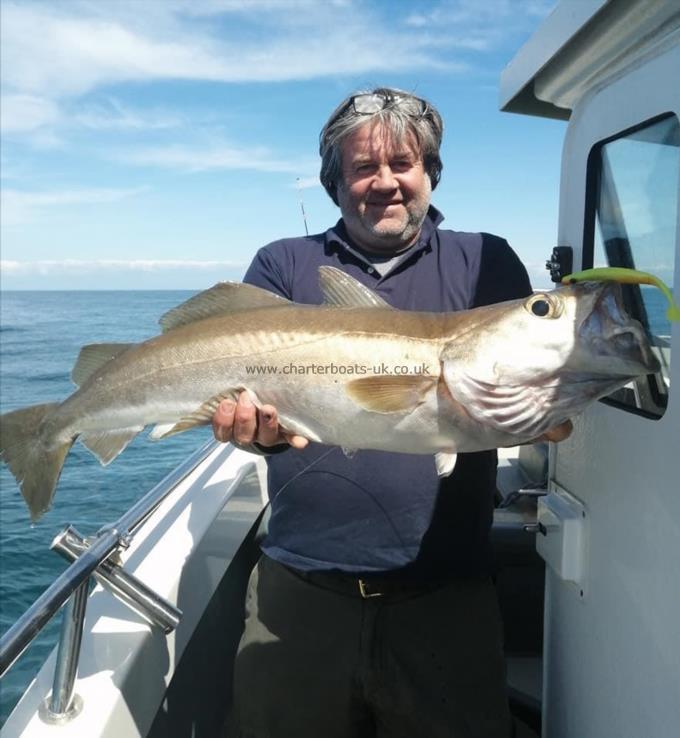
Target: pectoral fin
[(387, 394)]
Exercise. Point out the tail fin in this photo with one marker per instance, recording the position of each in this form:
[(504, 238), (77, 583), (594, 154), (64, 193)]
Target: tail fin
[(34, 461)]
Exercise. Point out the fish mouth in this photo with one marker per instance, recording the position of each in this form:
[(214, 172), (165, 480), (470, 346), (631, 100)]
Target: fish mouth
[(611, 333)]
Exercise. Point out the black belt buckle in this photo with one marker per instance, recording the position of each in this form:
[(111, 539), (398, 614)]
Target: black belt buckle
[(364, 590)]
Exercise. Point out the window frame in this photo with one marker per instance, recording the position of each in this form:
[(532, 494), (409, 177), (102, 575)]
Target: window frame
[(592, 190)]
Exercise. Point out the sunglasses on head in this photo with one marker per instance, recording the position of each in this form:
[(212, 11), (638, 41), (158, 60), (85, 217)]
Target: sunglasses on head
[(369, 103)]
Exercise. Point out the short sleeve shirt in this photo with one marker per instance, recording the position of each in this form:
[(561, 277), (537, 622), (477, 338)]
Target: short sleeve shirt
[(380, 512)]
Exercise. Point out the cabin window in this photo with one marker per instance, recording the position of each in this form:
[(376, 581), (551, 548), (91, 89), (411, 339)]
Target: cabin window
[(633, 215)]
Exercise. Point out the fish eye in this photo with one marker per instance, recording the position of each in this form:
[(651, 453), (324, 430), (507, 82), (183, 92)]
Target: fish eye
[(540, 308), (543, 306)]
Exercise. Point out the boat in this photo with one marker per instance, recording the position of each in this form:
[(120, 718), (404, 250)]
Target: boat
[(586, 532)]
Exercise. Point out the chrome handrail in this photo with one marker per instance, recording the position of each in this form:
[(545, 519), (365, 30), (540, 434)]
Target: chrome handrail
[(109, 539), (141, 598), (27, 627)]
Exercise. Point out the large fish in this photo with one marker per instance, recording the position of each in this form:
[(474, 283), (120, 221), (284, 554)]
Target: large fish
[(354, 373)]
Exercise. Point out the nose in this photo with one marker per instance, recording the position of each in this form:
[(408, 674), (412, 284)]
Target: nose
[(384, 179)]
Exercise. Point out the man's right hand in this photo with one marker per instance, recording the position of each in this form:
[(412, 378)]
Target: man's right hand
[(243, 424)]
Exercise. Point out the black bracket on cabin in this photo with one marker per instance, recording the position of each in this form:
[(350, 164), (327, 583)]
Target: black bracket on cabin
[(560, 263)]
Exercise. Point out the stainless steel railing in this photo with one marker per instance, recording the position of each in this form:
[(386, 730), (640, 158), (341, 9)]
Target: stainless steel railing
[(91, 558)]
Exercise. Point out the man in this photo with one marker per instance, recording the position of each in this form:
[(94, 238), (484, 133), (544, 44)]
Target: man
[(371, 611)]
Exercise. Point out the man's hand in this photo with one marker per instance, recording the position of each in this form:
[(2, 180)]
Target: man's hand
[(558, 433), (243, 424)]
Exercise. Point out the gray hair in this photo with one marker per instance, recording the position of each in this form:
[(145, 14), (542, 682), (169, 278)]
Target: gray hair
[(402, 114)]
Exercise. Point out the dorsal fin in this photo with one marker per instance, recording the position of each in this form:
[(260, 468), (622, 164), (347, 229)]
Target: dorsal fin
[(341, 290), (222, 298), (93, 357)]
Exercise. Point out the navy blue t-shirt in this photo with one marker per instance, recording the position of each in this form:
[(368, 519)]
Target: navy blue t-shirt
[(381, 512)]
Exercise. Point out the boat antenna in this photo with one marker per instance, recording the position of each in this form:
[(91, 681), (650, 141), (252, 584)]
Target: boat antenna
[(302, 205)]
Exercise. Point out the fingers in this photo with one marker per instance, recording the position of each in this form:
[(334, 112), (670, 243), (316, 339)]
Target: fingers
[(298, 442), (268, 431), (235, 421), (223, 421), (559, 432), (556, 434), (242, 423), (245, 420)]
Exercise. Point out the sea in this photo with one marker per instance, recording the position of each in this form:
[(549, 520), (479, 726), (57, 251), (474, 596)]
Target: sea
[(40, 336)]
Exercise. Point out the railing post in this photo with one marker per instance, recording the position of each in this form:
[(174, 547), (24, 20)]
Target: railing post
[(62, 704), (71, 588)]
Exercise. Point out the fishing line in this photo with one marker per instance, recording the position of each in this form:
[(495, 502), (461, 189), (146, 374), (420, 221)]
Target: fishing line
[(371, 496), (353, 482), (306, 468)]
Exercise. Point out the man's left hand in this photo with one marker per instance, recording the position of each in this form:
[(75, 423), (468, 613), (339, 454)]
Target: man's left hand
[(558, 433)]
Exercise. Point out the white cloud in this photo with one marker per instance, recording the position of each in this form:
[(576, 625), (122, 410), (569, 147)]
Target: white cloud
[(18, 205), (492, 13), (47, 53), (213, 157), (478, 25), (40, 119), (54, 55), (63, 50), (26, 113), (218, 7), (110, 114), (54, 267)]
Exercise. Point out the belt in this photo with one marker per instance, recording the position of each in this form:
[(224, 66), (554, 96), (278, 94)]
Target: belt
[(365, 588)]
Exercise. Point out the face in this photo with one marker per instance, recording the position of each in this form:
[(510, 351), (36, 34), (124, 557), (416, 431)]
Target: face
[(385, 192)]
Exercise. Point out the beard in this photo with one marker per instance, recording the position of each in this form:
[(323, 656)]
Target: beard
[(385, 228)]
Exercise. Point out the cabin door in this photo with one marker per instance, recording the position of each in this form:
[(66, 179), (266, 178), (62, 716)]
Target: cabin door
[(612, 636)]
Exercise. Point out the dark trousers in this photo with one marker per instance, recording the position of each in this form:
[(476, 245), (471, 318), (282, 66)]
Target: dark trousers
[(315, 662)]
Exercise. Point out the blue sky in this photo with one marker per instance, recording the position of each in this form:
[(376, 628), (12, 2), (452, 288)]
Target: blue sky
[(160, 143)]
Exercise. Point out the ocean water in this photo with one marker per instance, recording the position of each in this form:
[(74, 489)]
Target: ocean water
[(40, 336)]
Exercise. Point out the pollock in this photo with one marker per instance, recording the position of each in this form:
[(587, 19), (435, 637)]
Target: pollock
[(353, 372)]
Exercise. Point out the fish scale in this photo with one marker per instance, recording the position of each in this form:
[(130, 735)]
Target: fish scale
[(354, 373)]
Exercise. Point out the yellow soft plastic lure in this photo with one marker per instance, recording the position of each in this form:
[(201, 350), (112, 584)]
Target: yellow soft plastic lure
[(626, 276)]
